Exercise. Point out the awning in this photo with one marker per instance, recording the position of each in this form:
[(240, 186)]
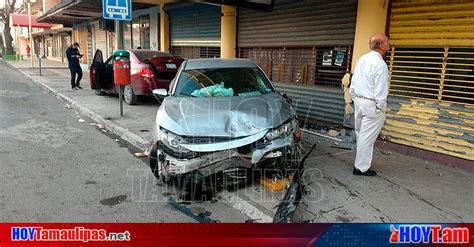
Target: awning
[(18, 20), (53, 30), (70, 12)]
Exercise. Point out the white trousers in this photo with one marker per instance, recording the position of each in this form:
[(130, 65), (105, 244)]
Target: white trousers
[(368, 123)]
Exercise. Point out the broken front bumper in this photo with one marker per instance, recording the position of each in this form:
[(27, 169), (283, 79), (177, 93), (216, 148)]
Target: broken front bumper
[(169, 163)]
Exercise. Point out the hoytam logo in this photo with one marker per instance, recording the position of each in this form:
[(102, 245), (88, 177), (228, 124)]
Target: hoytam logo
[(74, 234), (435, 234)]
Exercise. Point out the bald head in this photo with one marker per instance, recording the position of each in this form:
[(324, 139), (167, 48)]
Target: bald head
[(379, 43)]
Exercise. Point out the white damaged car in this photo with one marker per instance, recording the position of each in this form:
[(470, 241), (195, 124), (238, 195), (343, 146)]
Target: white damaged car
[(222, 115)]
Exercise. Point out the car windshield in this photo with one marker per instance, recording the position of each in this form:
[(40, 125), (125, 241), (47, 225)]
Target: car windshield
[(222, 82), (142, 55)]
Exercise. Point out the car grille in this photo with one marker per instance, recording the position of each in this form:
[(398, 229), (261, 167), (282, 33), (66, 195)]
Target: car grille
[(208, 139)]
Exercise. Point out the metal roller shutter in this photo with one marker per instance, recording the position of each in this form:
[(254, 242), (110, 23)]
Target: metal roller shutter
[(432, 23), (195, 25), (299, 23), (431, 64), (301, 44)]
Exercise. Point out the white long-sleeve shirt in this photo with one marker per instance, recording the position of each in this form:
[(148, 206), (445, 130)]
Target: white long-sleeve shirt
[(370, 79)]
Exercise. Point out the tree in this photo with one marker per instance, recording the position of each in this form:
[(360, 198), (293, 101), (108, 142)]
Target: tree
[(5, 12)]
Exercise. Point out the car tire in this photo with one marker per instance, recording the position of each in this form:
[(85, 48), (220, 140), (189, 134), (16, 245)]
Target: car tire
[(129, 95), (99, 91)]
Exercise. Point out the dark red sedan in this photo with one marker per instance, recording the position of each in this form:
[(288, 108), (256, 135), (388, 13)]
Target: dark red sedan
[(149, 70)]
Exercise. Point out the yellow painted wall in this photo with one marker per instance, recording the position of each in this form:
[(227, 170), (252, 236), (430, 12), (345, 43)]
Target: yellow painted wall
[(164, 31), (228, 31), (371, 18)]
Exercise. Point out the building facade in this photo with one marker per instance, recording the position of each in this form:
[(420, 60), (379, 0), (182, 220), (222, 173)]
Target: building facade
[(306, 47)]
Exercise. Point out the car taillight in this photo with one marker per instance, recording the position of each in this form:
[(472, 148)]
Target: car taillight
[(147, 72)]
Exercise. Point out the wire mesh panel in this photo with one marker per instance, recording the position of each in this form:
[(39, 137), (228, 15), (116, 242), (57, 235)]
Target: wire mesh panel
[(307, 65), (191, 52)]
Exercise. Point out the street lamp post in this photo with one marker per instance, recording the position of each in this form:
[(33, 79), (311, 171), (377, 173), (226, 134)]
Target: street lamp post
[(32, 49)]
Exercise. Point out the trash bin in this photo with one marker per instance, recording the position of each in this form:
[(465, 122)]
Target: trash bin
[(122, 75)]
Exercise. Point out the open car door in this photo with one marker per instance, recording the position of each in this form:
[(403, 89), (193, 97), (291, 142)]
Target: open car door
[(101, 74), (93, 68)]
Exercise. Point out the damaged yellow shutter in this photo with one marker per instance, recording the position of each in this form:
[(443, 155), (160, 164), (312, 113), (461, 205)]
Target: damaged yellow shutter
[(431, 67), (432, 23)]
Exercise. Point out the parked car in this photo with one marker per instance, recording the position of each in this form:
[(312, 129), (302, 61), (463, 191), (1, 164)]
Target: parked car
[(222, 115), (149, 70)]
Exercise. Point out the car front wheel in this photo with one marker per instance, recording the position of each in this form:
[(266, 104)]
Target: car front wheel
[(129, 96)]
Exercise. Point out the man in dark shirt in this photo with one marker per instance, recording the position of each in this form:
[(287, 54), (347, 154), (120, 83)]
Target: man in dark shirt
[(73, 55)]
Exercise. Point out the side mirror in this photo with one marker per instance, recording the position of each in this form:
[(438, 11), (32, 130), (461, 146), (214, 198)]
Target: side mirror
[(160, 93)]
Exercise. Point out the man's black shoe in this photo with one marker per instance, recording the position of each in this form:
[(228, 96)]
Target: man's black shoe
[(369, 173), (79, 87)]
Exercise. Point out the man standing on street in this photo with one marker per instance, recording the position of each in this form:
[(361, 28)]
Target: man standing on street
[(73, 55), (369, 91)]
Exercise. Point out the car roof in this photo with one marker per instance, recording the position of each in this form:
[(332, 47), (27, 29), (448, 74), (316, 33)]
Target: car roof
[(206, 63), (160, 53)]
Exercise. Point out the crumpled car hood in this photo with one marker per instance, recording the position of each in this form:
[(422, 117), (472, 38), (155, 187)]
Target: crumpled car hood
[(232, 117)]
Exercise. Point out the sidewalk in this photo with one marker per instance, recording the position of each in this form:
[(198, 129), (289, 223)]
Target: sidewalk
[(406, 189)]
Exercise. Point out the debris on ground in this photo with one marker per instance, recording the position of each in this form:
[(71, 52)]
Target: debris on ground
[(343, 138), (141, 154), (100, 126), (92, 124), (104, 130), (333, 133), (67, 106), (197, 210), (385, 152), (343, 145), (275, 184), (81, 120), (117, 140), (201, 217), (252, 220), (113, 200), (320, 134)]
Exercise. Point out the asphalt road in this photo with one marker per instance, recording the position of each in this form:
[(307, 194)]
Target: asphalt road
[(57, 166)]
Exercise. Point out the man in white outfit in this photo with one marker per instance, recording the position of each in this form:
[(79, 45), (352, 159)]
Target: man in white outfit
[(369, 91)]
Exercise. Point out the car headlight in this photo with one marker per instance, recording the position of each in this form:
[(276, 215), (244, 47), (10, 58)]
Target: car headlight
[(172, 141), (283, 130)]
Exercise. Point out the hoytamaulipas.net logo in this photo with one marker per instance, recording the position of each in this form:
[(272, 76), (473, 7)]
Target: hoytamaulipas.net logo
[(74, 234), (434, 234)]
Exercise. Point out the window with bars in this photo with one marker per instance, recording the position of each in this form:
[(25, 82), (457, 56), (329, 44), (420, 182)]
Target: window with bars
[(445, 74), (196, 51), (310, 65)]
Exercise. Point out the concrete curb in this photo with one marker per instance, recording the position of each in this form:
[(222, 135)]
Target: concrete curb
[(232, 199)]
